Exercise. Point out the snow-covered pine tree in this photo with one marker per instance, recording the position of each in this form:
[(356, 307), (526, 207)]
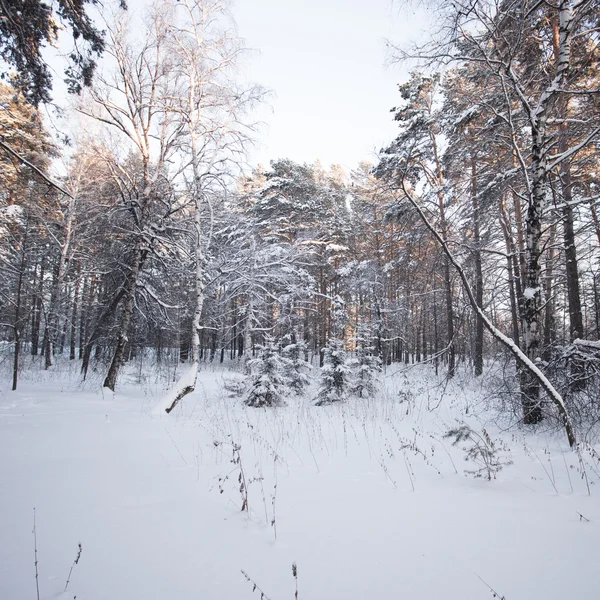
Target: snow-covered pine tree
[(364, 367), (335, 374), (296, 366), (267, 378)]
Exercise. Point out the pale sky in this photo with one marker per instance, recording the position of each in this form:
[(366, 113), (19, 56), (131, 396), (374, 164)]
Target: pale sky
[(324, 61)]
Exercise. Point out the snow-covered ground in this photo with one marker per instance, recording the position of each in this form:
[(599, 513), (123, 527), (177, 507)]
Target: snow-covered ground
[(367, 498)]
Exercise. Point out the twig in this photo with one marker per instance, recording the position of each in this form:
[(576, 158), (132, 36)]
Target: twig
[(23, 160), (412, 483), (75, 562), (545, 470), (176, 448), (582, 518), (37, 583), (568, 474), (255, 587), (295, 574), (494, 592), (583, 471)]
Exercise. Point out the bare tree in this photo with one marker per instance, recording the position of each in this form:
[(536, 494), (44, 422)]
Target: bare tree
[(135, 101)]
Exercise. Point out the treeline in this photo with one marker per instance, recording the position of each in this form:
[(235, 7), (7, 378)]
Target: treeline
[(157, 241)]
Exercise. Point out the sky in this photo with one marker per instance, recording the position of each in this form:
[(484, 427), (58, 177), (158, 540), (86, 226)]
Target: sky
[(325, 60)]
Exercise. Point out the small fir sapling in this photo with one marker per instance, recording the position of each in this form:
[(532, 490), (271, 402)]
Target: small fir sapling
[(365, 366), (296, 366), (335, 374), (267, 378), (481, 449)]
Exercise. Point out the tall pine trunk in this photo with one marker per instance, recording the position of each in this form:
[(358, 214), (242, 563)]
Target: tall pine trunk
[(478, 359)]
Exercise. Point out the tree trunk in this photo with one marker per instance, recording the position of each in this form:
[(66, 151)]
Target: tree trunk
[(530, 387), (512, 276), (36, 317), (549, 312), (447, 277), (126, 316), (478, 358), (17, 323), (74, 314), (577, 367)]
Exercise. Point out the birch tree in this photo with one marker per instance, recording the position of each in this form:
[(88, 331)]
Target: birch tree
[(212, 113), (135, 101)]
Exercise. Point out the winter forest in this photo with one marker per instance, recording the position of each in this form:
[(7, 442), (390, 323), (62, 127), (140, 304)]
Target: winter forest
[(227, 380)]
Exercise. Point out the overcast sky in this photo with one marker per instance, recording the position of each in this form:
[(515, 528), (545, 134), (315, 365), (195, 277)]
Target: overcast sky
[(324, 61)]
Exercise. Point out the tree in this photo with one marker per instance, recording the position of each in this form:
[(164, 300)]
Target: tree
[(210, 113), (365, 366), (296, 367), (335, 374), (513, 46), (414, 156), (137, 101), (27, 26), (267, 379), (28, 208)]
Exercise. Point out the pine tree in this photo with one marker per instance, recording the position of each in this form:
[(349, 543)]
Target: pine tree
[(335, 374), (296, 366), (267, 379), (364, 366)]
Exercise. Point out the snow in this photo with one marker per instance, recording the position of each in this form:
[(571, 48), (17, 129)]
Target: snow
[(142, 494), (187, 379), (530, 293), (594, 344), (336, 248)]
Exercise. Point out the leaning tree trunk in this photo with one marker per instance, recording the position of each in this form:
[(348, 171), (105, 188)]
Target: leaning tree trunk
[(58, 278), (526, 363), (36, 317), (130, 289), (74, 314)]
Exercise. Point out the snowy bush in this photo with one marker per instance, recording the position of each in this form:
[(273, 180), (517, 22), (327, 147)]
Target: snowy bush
[(335, 374), (267, 378)]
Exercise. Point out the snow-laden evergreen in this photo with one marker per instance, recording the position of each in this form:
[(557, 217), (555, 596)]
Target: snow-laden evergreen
[(296, 365), (335, 374), (268, 380), (365, 366)]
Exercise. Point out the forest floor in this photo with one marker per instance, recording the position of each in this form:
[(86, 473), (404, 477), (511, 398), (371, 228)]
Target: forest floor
[(367, 498)]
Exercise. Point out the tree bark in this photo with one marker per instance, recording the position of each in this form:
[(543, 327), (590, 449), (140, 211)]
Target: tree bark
[(130, 290), (478, 358)]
